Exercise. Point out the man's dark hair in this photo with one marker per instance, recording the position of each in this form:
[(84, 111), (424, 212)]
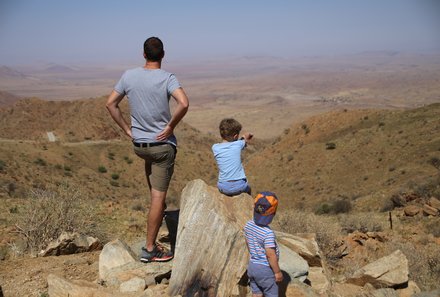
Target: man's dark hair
[(228, 128), (153, 49)]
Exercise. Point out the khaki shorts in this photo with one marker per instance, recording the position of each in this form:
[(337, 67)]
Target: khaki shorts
[(159, 164)]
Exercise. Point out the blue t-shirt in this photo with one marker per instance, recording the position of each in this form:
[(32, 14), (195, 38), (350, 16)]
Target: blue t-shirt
[(228, 158), (260, 238), (148, 92)]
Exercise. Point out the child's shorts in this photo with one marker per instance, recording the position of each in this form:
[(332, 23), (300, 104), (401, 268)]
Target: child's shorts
[(232, 188), (262, 280)]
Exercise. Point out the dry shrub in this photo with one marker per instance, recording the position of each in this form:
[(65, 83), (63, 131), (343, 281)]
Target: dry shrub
[(49, 213), (363, 222), (423, 262), (327, 230)]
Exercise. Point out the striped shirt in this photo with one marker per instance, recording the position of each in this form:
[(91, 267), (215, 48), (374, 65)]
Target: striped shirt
[(258, 239)]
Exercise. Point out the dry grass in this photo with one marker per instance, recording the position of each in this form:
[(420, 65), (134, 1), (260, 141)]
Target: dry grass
[(50, 212), (327, 229)]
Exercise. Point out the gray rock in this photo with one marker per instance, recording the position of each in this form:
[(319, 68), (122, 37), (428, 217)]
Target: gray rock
[(148, 272), (304, 244), (292, 264), (71, 243), (389, 271), (114, 254)]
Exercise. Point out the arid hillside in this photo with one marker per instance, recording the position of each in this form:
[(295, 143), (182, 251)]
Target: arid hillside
[(348, 162), (361, 156), (7, 99)]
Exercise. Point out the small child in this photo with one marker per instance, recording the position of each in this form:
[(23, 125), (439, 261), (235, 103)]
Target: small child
[(232, 179), (263, 270)]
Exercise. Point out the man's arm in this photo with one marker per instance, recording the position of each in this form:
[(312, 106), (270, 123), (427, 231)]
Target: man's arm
[(182, 107), (273, 262), (113, 107)]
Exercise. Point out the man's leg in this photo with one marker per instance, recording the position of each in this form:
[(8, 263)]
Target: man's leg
[(155, 216)]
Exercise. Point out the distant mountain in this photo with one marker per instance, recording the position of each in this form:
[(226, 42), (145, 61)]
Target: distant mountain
[(56, 68), (7, 72), (7, 99)]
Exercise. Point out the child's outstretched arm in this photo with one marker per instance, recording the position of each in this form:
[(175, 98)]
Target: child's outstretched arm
[(273, 262)]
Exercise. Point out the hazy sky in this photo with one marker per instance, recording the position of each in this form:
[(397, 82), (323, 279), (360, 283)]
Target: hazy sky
[(110, 31)]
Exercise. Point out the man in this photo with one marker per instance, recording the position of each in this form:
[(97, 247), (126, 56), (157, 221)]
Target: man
[(148, 90)]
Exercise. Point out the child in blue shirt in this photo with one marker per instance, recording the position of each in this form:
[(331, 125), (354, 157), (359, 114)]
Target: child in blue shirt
[(263, 269), (232, 179)]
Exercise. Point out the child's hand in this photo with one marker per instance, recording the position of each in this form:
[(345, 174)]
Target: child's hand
[(248, 136), (279, 277)]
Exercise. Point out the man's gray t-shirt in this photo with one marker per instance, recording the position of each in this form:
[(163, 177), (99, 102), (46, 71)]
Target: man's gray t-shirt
[(148, 92)]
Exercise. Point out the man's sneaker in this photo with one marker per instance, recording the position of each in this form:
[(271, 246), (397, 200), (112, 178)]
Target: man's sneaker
[(158, 254)]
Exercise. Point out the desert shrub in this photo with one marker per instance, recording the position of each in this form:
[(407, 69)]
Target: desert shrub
[(341, 206), (67, 168), (111, 156), (2, 165), (434, 161), (326, 229), (40, 161), (429, 188), (128, 160), (364, 222), (305, 128), (433, 227), (49, 213), (102, 169), (58, 166), (138, 207), (387, 205), (330, 146), (323, 208), (115, 176), (114, 183)]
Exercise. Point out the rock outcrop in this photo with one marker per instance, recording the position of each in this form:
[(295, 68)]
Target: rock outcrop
[(389, 271)]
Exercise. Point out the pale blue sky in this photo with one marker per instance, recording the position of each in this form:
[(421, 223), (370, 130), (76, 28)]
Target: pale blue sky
[(72, 31)]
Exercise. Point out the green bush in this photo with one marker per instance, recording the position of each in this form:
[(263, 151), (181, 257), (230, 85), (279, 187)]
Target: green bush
[(330, 146), (323, 209), (2, 165), (40, 162), (341, 206), (115, 176), (102, 169)]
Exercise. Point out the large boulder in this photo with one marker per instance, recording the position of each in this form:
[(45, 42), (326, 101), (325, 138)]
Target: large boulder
[(389, 271), (211, 254)]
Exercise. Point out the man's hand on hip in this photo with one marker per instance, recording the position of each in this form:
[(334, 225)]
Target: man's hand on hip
[(167, 132)]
